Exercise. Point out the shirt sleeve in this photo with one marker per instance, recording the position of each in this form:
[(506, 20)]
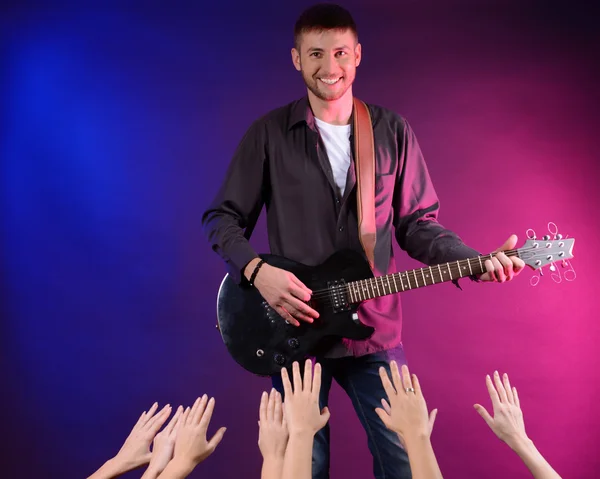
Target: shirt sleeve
[(416, 208), (230, 218)]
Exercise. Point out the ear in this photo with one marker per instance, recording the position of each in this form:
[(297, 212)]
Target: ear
[(357, 54), (296, 59)]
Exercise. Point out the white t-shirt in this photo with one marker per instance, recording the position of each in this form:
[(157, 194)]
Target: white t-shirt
[(337, 143)]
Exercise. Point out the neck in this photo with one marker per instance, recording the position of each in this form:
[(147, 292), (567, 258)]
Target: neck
[(336, 112)]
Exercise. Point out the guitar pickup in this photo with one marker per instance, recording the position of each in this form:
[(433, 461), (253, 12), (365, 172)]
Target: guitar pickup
[(338, 294)]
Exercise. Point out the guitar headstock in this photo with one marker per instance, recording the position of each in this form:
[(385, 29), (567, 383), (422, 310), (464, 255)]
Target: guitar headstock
[(537, 253)]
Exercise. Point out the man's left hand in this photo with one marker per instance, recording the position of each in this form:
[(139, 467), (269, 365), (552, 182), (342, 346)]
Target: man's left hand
[(501, 267)]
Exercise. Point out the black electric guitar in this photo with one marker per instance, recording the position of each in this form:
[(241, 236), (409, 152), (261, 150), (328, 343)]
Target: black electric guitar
[(262, 342)]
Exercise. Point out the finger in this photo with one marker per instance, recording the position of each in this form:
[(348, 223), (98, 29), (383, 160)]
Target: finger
[(492, 391), (509, 244), (301, 285), (176, 425), (516, 396), (147, 415), (507, 265), (190, 417), (484, 414), (159, 419), (500, 387), (417, 385), (316, 381), (207, 412), (518, 264), (396, 379), (325, 415), (278, 413), (489, 268), (271, 406), (262, 409), (498, 270), (432, 416), (385, 418), (297, 378), (307, 380), (299, 310), (199, 414), (184, 418), (386, 407), (406, 379), (216, 439), (508, 389), (287, 386), (386, 383), (173, 422), (286, 316)]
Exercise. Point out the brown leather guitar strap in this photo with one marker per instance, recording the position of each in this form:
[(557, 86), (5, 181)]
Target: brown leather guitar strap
[(364, 151)]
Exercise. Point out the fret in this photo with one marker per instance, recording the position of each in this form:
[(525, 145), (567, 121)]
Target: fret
[(431, 273), (370, 283), (350, 293), (458, 264), (449, 271), (401, 282), (395, 284), (440, 270), (356, 291), (408, 279), (481, 264), (388, 280), (415, 275), (423, 274), (377, 286), (470, 269)]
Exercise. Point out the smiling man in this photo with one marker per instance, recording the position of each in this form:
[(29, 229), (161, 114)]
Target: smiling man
[(298, 160)]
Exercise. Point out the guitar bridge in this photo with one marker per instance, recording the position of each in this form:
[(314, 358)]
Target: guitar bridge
[(338, 294)]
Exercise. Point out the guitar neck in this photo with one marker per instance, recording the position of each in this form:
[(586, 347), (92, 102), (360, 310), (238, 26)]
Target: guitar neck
[(417, 278)]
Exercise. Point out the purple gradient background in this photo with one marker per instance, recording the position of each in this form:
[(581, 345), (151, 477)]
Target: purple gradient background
[(117, 127)]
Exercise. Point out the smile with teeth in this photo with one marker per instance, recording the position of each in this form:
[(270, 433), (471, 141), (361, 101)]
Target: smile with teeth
[(330, 81)]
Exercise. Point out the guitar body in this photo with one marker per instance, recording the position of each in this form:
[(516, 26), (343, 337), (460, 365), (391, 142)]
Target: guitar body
[(260, 340)]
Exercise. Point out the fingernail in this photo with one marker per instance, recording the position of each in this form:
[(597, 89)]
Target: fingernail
[(495, 373), (505, 375), (212, 400)]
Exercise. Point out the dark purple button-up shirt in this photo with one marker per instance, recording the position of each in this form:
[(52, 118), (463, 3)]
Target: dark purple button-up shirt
[(281, 163)]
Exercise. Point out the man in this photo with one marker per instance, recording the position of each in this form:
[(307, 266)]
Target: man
[(298, 161)]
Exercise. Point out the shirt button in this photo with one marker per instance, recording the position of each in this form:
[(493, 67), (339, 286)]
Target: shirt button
[(341, 228), (337, 201)]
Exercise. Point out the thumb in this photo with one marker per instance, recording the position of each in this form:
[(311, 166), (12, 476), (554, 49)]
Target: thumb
[(216, 439), (510, 243), (432, 416), (484, 414), (385, 418)]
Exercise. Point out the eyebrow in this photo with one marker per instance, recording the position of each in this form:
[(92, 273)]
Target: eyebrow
[(317, 49)]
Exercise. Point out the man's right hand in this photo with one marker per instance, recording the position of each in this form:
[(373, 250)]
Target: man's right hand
[(285, 293)]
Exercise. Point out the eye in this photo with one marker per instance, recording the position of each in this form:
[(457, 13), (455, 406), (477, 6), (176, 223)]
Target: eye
[(341, 53), (316, 54)]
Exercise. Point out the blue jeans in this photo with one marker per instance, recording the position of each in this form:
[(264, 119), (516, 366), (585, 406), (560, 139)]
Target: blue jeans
[(359, 377)]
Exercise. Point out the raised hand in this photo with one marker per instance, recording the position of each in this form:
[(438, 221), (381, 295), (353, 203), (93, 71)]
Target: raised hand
[(301, 408), (406, 413), (163, 447), (507, 422), (272, 433)]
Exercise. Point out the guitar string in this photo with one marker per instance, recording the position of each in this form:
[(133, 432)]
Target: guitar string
[(381, 280)]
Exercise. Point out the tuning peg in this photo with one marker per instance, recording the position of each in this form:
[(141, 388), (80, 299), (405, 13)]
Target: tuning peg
[(546, 237), (552, 268), (541, 272), (564, 263), (558, 236)]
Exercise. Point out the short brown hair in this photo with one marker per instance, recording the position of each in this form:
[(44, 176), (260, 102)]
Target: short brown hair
[(323, 16)]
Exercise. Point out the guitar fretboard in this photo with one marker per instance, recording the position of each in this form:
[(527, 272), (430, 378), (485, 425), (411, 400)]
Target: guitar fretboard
[(416, 278)]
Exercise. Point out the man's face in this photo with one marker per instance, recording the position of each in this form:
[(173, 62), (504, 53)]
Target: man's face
[(327, 61)]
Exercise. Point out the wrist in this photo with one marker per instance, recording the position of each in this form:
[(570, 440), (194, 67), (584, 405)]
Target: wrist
[(416, 439), (179, 467), (520, 443), (249, 268)]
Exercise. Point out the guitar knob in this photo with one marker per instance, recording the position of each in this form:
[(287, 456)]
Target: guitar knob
[(279, 359), (294, 343)]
